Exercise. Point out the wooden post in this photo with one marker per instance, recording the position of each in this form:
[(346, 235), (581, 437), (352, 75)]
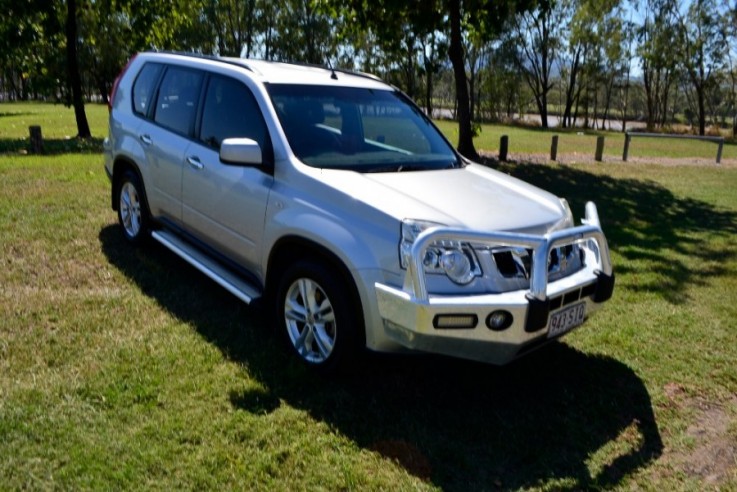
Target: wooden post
[(37, 141), (503, 148), (599, 148), (626, 146), (554, 148), (719, 151)]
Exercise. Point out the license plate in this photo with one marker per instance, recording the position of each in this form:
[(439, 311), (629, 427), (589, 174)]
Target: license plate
[(566, 320)]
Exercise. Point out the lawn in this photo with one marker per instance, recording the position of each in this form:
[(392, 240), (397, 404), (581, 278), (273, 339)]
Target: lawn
[(577, 143), (125, 368)]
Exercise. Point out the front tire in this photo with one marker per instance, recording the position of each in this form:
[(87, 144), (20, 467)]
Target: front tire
[(316, 315), (133, 214)]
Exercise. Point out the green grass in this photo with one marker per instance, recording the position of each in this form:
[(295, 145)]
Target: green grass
[(572, 143), (58, 127), (124, 368)]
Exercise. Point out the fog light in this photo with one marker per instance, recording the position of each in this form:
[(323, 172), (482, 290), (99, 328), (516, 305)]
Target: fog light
[(499, 320), (455, 321)]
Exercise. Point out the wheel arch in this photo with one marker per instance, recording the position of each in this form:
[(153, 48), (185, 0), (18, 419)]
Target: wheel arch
[(120, 166), (293, 248)]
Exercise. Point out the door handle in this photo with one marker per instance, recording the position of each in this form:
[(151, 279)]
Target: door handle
[(195, 163), (145, 139)]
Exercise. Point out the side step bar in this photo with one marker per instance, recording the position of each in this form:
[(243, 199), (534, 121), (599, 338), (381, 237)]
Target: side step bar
[(234, 284)]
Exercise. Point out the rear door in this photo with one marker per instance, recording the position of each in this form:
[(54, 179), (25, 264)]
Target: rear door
[(225, 204), (166, 138)]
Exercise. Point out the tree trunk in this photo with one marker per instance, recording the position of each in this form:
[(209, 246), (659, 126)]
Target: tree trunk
[(608, 100), (75, 80), (428, 93), (428, 65), (455, 53), (542, 107), (649, 103), (570, 90), (702, 111), (626, 96)]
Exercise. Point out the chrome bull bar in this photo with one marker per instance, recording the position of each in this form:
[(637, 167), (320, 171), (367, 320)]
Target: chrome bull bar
[(541, 246)]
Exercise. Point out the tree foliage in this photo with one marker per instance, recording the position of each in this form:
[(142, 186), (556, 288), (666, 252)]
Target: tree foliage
[(582, 60), (703, 37)]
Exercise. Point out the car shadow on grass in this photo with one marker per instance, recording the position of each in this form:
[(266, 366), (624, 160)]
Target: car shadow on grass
[(559, 417), (456, 424), (645, 223)]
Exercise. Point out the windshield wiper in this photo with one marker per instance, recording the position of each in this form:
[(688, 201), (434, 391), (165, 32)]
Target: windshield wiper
[(385, 169)]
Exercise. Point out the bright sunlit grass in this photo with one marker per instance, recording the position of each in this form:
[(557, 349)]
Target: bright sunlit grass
[(124, 368), (583, 142)]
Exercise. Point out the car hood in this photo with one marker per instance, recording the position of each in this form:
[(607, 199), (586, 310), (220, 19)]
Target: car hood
[(474, 197)]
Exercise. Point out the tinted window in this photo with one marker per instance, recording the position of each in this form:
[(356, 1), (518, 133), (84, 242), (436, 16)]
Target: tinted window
[(144, 87), (362, 130), (176, 105), (230, 110)]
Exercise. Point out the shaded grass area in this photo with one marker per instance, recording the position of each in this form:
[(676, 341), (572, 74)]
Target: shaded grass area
[(125, 368), (54, 146), (647, 222), (452, 423)]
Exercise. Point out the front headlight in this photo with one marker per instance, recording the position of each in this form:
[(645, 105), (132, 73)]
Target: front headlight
[(454, 259)]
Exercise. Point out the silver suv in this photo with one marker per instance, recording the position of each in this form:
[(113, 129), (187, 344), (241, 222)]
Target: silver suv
[(332, 196)]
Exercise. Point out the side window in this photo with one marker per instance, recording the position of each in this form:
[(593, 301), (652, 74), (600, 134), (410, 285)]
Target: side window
[(176, 105), (144, 87), (230, 110)]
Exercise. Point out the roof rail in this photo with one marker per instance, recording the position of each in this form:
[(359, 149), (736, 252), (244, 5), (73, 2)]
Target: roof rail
[(202, 56), (243, 62)]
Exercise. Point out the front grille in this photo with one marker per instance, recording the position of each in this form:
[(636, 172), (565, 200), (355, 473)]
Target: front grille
[(514, 263), (517, 262)]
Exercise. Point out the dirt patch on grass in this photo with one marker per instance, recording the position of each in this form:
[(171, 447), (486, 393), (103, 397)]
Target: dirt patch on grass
[(713, 456)]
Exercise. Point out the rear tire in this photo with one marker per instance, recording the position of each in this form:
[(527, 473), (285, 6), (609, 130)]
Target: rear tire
[(133, 215), (317, 318)]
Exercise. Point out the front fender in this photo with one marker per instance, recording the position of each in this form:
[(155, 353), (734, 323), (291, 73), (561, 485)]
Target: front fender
[(358, 243)]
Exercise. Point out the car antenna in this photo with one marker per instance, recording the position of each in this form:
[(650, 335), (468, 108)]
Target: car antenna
[(333, 75)]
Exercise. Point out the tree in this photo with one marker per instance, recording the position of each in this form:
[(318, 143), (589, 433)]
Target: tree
[(75, 79), (658, 58), (302, 31), (578, 44), (455, 53), (503, 85), (488, 18), (703, 44), (628, 37), (30, 34), (433, 49), (390, 20), (594, 50), (731, 29), (537, 33)]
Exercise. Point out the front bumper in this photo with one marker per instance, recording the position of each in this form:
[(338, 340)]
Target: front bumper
[(410, 315)]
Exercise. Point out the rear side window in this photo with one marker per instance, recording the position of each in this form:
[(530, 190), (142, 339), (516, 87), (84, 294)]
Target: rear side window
[(230, 110), (176, 105), (144, 87)]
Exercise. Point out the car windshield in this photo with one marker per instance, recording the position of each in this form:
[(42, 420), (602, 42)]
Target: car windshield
[(364, 130)]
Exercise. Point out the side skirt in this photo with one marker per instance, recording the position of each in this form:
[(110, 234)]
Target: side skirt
[(223, 276)]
